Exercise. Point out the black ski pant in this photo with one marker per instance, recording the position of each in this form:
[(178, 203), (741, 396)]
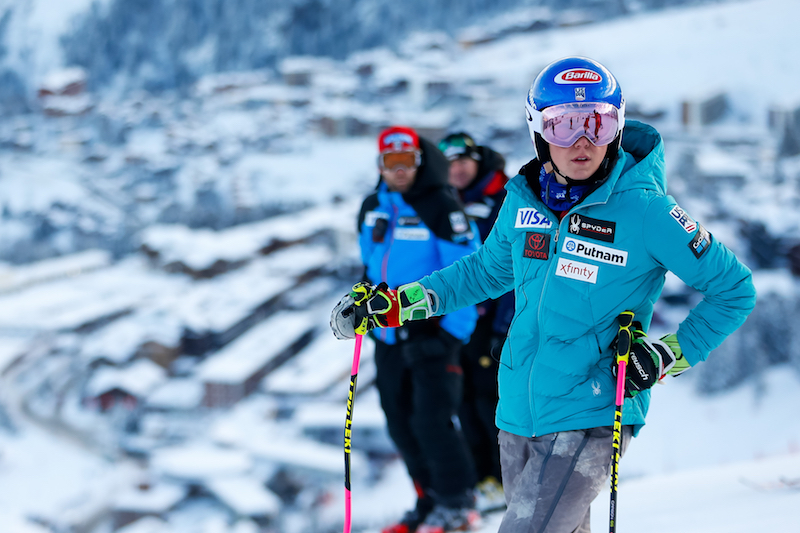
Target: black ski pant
[(480, 399), (420, 382)]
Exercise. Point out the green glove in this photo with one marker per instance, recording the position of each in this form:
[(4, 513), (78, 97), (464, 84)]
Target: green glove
[(681, 364)]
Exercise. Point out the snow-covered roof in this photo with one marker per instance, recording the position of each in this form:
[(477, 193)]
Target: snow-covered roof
[(119, 341), (177, 394), (199, 461), (217, 304), (157, 498), (59, 80), (11, 348), (200, 248), (326, 414), (305, 453), (253, 350), (147, 524), (67, 304), (16, 277), (138, 379), (316, 368), (18, 524), (715, 162), (245, 495)]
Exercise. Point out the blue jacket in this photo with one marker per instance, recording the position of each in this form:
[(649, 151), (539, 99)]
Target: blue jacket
[(398, 247), (608, 254)]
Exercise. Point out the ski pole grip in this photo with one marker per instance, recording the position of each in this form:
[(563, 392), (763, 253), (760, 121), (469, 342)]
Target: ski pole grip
[(624, 345), (624, 336)]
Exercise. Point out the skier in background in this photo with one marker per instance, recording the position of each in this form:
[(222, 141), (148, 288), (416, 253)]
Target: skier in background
[(478, 174), (410, 226), (586, 232)]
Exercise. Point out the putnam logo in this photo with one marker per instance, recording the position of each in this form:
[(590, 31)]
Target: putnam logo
[(577, 76), (528, 217), (589, 250), (578, 271)]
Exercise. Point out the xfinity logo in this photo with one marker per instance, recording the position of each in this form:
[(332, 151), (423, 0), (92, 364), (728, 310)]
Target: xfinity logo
[(575, 270), (528, 217), (595, 251)]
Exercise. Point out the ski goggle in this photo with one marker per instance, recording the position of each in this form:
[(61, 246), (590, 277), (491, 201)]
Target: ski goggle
[(563, 124), (393, 160), (458, 145)]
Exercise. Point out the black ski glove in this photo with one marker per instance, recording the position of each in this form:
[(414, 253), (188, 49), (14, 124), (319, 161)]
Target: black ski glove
[(649, 361)]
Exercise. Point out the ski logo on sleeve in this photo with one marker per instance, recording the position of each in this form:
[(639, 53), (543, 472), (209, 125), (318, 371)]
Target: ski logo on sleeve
[(683, 218), (537, 246), (567, 268), (701, 242), (589, 250), (593, 228), (528, 217)]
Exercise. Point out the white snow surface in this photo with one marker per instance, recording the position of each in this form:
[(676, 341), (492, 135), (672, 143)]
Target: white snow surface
[(711, 465)]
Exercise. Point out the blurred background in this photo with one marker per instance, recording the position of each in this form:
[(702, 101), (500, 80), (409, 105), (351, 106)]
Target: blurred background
[(179, 182)]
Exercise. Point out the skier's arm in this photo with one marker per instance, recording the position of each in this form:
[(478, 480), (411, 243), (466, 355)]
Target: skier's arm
[(683, 246)]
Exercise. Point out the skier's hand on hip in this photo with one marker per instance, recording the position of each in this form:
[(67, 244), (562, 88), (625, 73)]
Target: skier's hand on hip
[(368, 306), (651, 360)]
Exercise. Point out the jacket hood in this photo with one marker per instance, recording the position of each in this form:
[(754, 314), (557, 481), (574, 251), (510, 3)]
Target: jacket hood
[(490, 161)]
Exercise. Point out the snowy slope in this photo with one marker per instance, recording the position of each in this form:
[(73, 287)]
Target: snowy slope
[(711, 465)]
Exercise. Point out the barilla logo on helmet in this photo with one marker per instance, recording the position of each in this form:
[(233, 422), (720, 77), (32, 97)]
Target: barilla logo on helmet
[(398, 139), (577, 75)]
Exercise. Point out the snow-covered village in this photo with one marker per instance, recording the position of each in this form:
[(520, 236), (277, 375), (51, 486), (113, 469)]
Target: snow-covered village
[(177, 226)]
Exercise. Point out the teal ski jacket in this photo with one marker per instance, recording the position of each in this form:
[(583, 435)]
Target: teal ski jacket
[(571, 279)]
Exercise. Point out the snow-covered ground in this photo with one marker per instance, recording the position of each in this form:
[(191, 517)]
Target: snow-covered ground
[(723, 464)]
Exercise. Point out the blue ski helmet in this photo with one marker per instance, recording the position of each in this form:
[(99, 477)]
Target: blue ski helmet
[(572, 80)]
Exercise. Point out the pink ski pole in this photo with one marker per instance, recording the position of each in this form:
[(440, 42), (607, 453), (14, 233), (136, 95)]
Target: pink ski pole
[(624, 344), (347, 433)]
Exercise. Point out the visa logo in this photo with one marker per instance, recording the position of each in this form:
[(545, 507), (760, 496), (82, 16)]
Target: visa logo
[(528, 217)]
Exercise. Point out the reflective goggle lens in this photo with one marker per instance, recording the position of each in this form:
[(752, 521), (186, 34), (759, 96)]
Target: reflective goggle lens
[(564, 124), (391, 160)]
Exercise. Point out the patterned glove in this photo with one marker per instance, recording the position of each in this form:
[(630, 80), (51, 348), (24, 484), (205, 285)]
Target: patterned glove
[(650, 360), (681, 364), (368, 306)]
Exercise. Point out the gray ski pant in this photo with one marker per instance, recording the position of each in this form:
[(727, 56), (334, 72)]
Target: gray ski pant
[(550, 481)]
